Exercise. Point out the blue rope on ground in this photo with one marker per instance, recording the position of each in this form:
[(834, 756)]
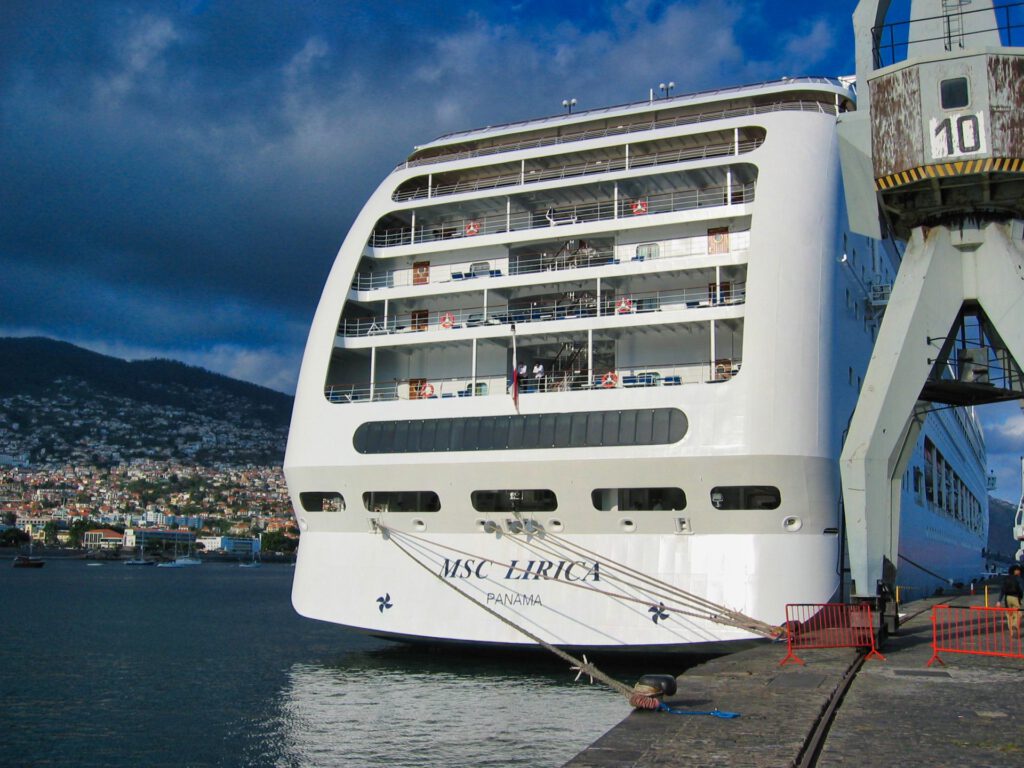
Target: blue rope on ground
[(712, 713)]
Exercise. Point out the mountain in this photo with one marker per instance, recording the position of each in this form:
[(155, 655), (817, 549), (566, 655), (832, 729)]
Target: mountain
[(60, 403)]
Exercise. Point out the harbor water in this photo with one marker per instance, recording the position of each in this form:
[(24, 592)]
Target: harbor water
[(106, 665)]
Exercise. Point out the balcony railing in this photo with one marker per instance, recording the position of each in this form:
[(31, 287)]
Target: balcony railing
[(606, 210), (572, 170), (667, 375), (539, 262), (544, 311), (799, 105)]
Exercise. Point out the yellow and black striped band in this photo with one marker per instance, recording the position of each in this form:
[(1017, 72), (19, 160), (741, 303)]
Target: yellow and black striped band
[(944, 170)]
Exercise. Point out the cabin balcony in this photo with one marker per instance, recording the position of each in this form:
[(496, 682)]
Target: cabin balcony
[(671, 113), (636, 199), (623, 157), (554, 256), (629, 377), (614, 305), (548, 361)]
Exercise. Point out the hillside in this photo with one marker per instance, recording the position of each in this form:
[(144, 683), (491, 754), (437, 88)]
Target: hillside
[(60, 403)]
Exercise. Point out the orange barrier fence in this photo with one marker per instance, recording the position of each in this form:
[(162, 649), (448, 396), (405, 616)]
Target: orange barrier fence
[(828, 625), (975, 630)]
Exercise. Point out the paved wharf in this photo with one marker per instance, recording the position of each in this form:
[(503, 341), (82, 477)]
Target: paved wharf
[(838, 710)]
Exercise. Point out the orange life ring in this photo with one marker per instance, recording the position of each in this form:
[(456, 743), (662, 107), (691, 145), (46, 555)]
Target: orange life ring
[(610, 379), (639, 207), (447, 320), (623, 306), (427, 390), (472, 228)]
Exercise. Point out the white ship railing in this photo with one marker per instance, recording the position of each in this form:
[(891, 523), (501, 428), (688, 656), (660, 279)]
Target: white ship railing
[(544, 311), (583, 258), (607, 210), (636, 377), (704, 116), (572, 170)]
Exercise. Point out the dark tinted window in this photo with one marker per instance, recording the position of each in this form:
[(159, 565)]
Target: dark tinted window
[(955, 94), (321, 501), (745, 497), (638, 499), (513, 500), (401, 501), (587, 429)]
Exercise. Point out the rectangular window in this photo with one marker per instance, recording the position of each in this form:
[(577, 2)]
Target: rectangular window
[(745, 497), (954, 93)]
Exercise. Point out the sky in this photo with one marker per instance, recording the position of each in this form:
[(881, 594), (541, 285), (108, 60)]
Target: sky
[(178, 176)]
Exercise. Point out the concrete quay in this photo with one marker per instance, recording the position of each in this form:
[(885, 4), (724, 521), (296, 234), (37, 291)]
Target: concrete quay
[(969, 712)]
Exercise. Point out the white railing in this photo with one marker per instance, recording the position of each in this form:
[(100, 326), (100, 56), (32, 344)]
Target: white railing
[(544, 311), (541, 262), (666, 375), (606, 210), (646, 125), (572, 170)]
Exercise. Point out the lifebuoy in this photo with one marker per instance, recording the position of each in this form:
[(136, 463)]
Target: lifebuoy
[(447, 320), (427, 390), (623, 306), (639, 207), (610, 379), (472, 228)]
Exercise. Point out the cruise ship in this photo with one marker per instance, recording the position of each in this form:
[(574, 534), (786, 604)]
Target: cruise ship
[(585, 379)]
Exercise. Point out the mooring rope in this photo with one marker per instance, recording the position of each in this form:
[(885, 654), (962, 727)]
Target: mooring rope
[(644, 601), (696, 606), (582, 665), (720, 613), (707, 610)]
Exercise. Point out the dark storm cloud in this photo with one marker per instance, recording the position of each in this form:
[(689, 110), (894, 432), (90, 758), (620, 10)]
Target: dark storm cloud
[(178, 176)]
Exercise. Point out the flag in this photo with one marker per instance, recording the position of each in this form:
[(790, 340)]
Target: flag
[(515, 372)]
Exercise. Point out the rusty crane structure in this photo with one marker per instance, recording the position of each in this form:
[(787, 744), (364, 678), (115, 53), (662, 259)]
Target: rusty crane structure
[(934, 156)]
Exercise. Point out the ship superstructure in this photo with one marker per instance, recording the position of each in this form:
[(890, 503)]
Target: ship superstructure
[(632, 335)]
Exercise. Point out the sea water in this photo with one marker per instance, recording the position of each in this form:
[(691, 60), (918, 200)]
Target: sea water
[(107, 665)]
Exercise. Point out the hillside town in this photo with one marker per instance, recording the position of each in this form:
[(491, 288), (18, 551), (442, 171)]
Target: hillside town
[(110, 510)]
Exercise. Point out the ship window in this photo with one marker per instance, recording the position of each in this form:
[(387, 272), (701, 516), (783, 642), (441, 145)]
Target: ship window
[(745, 497), (401, 501), (647, 251), (638, 499), (585, 429), (322, 501), (954, 93), (530, 500)]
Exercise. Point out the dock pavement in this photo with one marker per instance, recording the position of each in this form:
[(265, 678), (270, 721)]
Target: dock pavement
[(966, 713)]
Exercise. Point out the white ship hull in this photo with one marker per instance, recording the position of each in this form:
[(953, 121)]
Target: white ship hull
[(703, 348)]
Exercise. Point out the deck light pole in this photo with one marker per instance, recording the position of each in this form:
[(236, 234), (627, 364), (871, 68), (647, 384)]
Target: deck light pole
[(666, 89), (569, 104)]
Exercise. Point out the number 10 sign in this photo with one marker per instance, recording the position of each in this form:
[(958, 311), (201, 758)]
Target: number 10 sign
[(958, 135)]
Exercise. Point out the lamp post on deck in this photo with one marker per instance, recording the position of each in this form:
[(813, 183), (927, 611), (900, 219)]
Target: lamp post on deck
[(569, 104), (666, 88)]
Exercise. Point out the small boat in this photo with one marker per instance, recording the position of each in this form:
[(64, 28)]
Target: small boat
[(253, 563), (181, 562), (28, 561), (141, 559)]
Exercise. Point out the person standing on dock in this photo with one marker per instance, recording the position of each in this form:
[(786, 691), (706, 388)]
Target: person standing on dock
[(1012, 592)]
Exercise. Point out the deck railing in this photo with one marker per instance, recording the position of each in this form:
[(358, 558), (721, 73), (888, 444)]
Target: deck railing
[(545, 310), (572, 170), (667, 375), (646, 125), (539, 262), (605, 210)]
